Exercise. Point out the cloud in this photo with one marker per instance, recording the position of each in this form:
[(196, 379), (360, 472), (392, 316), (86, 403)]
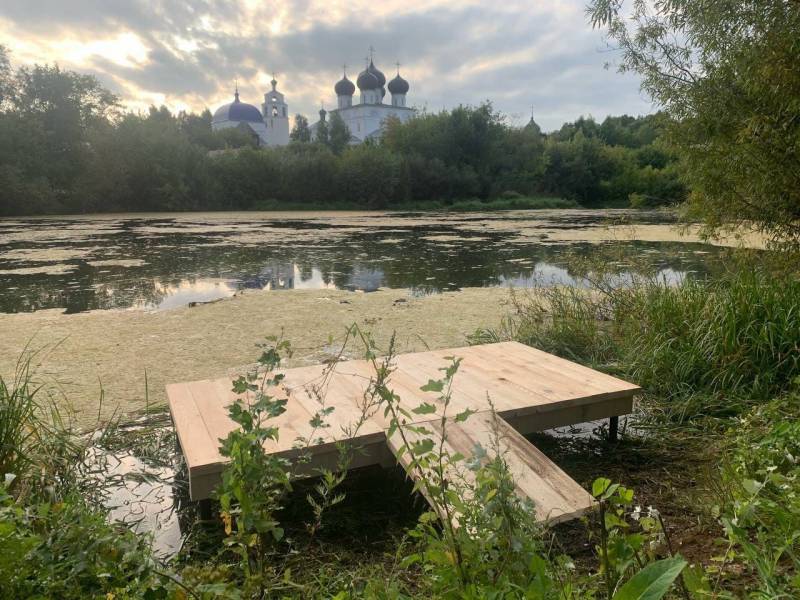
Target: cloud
[(187, 54)]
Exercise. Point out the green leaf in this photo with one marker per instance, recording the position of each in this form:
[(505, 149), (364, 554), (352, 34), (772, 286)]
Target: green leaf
[(240, 385), (422, 447), (433, 386), (609, 491), (599, 486), (652, 582), (751, 487), (464, 415), (696, 581), (426, 408), (453, 368)]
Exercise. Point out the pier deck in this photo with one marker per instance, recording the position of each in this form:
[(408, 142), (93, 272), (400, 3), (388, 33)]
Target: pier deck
[(531, 391)]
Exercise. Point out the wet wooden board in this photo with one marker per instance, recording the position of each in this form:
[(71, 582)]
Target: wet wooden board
[(555, 496), (530, 389)]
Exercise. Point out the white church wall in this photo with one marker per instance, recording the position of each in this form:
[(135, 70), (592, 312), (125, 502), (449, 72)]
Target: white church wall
[(276, 117)]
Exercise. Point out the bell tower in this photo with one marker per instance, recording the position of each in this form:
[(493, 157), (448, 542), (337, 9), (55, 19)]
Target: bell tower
[(276, 116)]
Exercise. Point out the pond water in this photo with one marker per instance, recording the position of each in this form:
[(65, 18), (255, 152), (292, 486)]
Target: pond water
[(161, 261)]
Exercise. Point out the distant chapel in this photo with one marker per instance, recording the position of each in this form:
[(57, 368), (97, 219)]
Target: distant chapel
[(269, 127)]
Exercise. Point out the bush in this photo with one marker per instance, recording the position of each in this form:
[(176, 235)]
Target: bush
[(760, 503), (67, 549)]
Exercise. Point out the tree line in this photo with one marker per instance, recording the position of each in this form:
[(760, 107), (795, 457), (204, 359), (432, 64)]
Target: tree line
[(66, 146)]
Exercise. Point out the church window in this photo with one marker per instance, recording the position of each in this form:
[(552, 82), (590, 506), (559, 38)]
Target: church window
[(274, 111)]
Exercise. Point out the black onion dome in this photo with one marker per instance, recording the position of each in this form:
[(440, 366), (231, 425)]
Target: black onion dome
[(367, 81), (377, 72), (344, 87), (398, 85)]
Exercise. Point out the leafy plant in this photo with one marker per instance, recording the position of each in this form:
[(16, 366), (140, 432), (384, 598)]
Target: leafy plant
[(760, 497), (67, 549), (624, 550), (254, 482)]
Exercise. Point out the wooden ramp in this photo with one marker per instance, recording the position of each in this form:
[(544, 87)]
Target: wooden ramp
[(530, 389), (555, 496)]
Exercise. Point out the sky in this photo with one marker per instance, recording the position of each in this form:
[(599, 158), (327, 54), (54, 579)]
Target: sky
[(525, 56)]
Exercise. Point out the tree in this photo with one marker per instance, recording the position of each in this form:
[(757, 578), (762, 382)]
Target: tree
[(198, 128), (6, 77), (322, 136), (726, 75), (300, 132), (339, 136)]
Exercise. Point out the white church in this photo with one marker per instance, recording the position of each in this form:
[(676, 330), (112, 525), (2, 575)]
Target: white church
[(269, 127), (364, 119)]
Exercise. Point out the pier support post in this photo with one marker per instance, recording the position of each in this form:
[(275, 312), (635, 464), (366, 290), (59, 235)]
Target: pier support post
[(613, 429), (204, 509)]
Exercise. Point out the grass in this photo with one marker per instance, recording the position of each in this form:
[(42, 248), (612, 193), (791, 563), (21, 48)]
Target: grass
[(18, 420), (465, 205), (503, 203), (702, 347), (739, 335)]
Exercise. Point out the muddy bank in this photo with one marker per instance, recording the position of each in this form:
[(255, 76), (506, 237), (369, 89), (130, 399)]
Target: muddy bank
[(82, 353)]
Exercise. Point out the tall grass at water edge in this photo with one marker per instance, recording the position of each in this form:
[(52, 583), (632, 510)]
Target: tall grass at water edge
[(36, 447), (702, 346)]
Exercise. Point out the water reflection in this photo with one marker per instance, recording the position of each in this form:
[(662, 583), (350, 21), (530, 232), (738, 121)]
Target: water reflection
[(161, 262)]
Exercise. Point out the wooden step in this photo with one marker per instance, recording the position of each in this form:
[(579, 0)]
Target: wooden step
[(556, 496)]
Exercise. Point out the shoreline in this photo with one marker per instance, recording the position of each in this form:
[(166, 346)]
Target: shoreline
[(671, 212)]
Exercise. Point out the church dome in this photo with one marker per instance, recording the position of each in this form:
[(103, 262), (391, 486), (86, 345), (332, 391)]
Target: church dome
[(237, 111), (344, 87), (367, 81), (377, 72), (398, 85)]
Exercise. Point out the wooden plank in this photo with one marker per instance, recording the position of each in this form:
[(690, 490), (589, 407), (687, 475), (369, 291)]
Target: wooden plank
[(549, 416), (555, 496), (196, 443), (561, 373)]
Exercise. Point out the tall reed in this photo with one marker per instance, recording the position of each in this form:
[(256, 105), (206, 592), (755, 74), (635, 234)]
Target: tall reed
[(717, 341), (19, 418), (737, 335)]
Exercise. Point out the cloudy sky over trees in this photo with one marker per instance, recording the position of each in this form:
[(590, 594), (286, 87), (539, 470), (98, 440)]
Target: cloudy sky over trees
[(187, 54)]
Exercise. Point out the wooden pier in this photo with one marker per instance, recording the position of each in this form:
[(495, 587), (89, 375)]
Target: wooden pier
[(531, 391)]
